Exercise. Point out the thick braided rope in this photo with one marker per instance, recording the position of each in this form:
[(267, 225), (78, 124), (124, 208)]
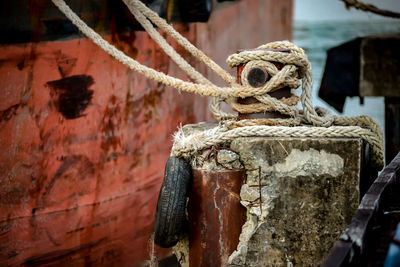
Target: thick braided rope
[(140, 12), (201, 89), (296, 67), (156, 36), (197, 53), (285, 77), (185, 146)]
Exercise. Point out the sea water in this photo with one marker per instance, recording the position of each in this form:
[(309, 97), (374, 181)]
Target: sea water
[(316, 37)]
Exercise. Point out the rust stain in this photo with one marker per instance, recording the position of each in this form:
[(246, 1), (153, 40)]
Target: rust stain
[(150, 101), (136, 157), (71, 95), (110, 125), (215, 216), (145, 105), (6, 115), (51, 239), (123, 40), (128, 104), (83, 169), (57, 256), (36, 12), (12, 254), (75, 231), (65, 63), (112, 219), (153, 97), (14, 193), (109, 257), (21, 64)]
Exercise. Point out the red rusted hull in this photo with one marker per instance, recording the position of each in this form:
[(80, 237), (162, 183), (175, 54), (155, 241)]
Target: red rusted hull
[(82, 181), (84, 140)]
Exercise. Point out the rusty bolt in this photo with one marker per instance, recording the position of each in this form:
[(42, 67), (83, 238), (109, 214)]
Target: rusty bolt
[(257, 77)]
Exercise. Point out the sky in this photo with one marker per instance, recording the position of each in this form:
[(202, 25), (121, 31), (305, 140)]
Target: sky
[(319, 10)]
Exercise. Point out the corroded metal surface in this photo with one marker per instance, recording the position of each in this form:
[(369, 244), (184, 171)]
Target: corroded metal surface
[(258, 77), (83, 143), (215, 216)]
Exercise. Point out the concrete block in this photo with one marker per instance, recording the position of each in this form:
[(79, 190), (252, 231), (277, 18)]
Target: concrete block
[(310, 189)]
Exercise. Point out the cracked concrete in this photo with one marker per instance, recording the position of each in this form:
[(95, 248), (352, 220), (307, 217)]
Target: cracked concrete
[(309, 192)]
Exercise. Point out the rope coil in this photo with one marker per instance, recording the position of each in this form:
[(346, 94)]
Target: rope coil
[(296, 71)]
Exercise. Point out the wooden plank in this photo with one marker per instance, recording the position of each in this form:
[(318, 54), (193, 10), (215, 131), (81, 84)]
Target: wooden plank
[(360, 230), (379, 66), (392, 129)]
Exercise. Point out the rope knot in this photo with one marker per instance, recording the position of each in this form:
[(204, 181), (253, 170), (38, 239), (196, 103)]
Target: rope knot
[(284, 64)]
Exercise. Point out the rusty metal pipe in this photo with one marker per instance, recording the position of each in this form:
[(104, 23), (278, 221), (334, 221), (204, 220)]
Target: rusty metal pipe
[(215, 216), (257, 77)]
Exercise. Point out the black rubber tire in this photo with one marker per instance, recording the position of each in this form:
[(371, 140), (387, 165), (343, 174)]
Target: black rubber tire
[(170, 222), (195, 10)]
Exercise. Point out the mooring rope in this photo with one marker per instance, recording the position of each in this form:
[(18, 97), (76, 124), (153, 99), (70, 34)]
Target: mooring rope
[(186, 146), (370, 8), (296, 69)]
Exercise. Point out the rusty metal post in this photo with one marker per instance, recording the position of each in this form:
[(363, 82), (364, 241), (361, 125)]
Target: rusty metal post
[(258, 77), (215, 216)]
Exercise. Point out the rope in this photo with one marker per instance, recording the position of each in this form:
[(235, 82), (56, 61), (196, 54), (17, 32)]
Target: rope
[(197, 53), (143, 15), (370, 8), (296, 70), (186, 146), (202, 89)]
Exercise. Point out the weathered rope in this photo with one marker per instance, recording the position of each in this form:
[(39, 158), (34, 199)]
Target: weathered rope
[(186, 146), (296, 69), (197, 53), (202, 89), (370, 8), (143, 15)]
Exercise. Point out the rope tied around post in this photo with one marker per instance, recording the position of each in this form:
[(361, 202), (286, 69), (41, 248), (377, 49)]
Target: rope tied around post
[(296, 70)]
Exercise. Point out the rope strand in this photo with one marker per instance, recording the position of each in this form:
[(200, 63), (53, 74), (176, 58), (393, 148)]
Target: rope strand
[(197, 53), (370, 8)]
